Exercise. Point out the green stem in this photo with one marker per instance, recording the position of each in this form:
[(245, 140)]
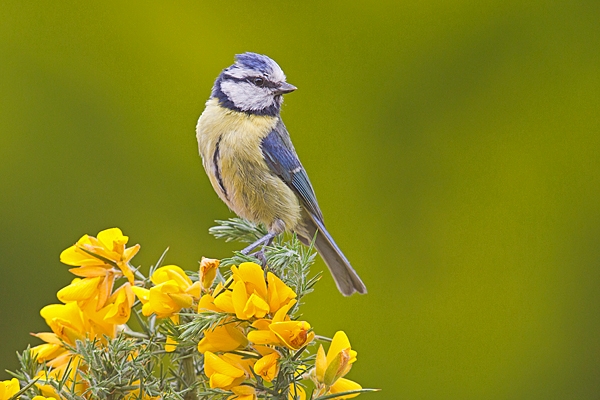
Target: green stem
[(189, 376)]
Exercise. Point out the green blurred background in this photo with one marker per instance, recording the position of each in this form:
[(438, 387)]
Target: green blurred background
[(453, 145)]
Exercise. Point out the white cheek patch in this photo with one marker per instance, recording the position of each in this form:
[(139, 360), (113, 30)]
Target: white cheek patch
[(246, 96)]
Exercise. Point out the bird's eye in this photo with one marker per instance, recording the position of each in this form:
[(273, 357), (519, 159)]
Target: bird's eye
[(258, 81)]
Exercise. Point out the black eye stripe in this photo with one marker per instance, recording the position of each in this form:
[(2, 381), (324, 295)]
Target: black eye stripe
[(266, 83)]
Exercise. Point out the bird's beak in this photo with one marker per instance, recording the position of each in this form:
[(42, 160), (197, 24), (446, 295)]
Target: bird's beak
[(285, 87)]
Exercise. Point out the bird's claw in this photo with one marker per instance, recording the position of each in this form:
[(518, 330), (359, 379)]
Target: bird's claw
[(260, 256)]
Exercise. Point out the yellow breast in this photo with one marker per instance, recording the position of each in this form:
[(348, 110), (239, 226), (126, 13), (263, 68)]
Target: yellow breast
[(252, 191)]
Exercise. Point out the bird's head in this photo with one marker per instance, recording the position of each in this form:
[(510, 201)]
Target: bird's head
[(254, 84)]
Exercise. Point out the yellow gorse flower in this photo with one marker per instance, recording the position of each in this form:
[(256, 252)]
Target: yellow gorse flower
[(83, 290), (118, 308), (97, 256), (225, 371), (281, 331), (293, 334), (9, 388), (249, 296), (91, 310), (331, 368), (208, 272), (267, 366), (52, 349), (70, 323), (173, 291), (248, 339), (222, 338)]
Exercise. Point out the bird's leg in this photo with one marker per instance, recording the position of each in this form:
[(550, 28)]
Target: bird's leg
[(275, 229), (265, 241)]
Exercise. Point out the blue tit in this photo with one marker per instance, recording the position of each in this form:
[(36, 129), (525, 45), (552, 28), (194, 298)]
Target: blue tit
[(252, 165)]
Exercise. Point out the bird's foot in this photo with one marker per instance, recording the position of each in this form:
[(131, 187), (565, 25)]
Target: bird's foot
[(260, 255)]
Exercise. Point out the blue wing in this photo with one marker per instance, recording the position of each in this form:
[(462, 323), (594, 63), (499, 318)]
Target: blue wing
[(281, 158)]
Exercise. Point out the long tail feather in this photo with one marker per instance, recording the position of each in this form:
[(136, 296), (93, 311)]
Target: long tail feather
[(346, 279)]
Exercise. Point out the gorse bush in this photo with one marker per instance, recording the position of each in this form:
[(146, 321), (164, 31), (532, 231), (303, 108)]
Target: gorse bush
[(230, 330)]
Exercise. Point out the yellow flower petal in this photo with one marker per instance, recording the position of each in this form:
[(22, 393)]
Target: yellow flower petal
[(147, 310), (76, 257), (207, 303), (224, 301), (65, 320), (263, 337), (165, 299), (214, 364), (113, 240), (222, 374), (104, 289), (181, 300), (281, 314), (95, 320), (255, 307), (267, 366), (171, 272), (222, 338), (129, 253), (293, 334), (243, 392), (262, 334), (79, 289), (90, 271), (119, 307), (253, 276), (47, 351), (279, 293), (340, 342), (170, 345), (218, 380), (345, 385), (47, 337), (195, 290), (9, 388), (106, 251), (127, 272), (320, 364), (247, 305), (141, 293)]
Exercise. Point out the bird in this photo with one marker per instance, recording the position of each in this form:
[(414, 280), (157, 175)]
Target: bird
[(252, 165)]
